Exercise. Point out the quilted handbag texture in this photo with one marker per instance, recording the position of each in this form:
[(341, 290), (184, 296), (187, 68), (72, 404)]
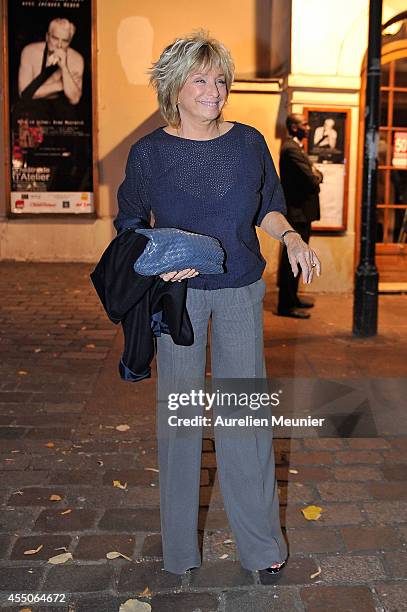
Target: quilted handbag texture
[(170, 249)]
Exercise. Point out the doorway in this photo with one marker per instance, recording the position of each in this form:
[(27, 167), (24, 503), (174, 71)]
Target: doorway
[(391, 231)]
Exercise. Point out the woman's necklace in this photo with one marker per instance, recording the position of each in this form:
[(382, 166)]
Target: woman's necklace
[(217, 126)]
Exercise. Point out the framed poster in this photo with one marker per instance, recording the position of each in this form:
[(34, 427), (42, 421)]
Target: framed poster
[(49, 102), (328, 148)]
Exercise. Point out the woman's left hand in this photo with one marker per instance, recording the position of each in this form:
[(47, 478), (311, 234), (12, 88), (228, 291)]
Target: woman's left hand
[(299, 253)]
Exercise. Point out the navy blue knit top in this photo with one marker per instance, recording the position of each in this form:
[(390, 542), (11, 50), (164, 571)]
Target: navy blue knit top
[(222, 187)]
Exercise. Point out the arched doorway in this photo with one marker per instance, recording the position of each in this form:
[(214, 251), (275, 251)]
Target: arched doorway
[(391, 246)]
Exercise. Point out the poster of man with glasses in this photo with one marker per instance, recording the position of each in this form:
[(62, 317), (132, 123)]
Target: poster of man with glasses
[(50, 93)]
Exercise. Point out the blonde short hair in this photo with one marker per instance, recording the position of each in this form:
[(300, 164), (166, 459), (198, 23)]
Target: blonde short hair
[(178, 60)]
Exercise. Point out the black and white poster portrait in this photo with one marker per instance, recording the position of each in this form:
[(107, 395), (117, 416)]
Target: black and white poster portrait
[(326, 139), (49, 45), (328, 148)]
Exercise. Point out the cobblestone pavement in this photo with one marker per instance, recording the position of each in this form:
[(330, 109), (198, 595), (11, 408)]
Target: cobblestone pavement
[(62, 403)]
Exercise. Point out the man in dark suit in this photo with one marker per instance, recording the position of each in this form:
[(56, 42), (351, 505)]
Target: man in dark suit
[(300, 180)]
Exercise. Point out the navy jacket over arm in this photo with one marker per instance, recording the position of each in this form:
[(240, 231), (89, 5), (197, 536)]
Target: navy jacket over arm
[(140, 303)]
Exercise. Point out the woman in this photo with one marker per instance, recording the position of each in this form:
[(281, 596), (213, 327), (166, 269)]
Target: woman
[(202, 174)]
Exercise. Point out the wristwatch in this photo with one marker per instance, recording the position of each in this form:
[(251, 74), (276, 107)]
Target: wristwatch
[(288, 231)]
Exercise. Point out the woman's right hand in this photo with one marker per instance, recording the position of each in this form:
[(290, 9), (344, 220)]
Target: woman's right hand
[(179, 275)]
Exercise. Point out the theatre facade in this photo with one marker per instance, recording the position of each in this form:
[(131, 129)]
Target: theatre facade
[(306, 56)]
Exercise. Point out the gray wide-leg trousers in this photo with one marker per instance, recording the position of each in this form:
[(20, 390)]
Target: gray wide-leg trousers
[(245, 462)]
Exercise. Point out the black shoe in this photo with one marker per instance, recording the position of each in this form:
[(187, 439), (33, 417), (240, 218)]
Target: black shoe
[(275, 570), (294, 313), (301, 304)]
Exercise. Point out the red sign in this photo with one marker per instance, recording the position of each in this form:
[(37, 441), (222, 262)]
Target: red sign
[(400, 150)]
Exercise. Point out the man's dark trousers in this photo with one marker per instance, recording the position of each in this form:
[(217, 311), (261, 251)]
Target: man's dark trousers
[(287, 282)]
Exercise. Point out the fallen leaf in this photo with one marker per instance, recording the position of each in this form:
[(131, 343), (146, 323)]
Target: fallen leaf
[(25, 610), (22, 372), (33, 552), (317, 573), (135, 605), (50, 444), (312, 513), (37, 350), (225, 556), (292, 471), (62, 558), (66, 511), (122, 427), (152, 469), (119, 485), (90, 345), (55, 498), (114, 555), (146, 592)]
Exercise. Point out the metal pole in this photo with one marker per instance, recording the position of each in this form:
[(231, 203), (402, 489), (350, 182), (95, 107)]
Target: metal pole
[(366, 276)]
